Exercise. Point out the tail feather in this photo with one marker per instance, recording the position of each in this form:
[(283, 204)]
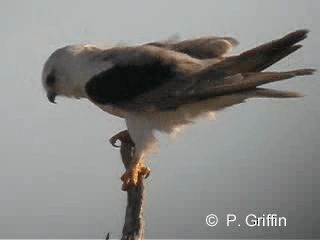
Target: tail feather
[(246, 81), (272, 93), (252, 80)]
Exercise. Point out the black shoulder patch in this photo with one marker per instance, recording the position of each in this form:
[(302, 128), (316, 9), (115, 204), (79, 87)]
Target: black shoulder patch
[(51, 79), (122, 83)]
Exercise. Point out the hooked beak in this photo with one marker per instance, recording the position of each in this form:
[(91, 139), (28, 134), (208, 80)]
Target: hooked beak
[(51, 97)]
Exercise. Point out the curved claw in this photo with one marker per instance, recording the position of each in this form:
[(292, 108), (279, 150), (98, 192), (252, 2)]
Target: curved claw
[(147, 174), (122, 136), (113, 142)]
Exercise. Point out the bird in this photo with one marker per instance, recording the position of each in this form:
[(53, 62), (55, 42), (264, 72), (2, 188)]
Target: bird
[(164, 86)]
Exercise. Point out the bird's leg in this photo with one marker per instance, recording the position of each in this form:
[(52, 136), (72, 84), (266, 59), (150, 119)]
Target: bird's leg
[(122, 136), (136, 170), (135, 173)]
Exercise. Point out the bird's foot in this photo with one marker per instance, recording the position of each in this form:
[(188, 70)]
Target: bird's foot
[(134, 175), (122, 136)]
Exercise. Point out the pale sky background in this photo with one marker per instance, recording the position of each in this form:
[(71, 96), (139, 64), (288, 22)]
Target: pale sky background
[(59, 177)]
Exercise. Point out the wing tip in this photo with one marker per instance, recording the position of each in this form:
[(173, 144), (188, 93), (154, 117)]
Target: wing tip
[(296, 36), (306, 71), (272, 93)]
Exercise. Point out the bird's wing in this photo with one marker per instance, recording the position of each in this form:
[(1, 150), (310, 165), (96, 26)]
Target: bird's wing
[(231, 75), (136, 71), (201, 48), (150, 78), (202, 90)]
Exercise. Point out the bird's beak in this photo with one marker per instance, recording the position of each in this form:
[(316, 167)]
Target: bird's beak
[(51, 96)]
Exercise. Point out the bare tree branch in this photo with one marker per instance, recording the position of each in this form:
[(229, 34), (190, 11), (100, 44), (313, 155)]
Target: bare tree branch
[(134, 221)]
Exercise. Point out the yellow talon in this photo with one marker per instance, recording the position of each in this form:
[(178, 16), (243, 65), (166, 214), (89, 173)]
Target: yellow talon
[(134, 175)]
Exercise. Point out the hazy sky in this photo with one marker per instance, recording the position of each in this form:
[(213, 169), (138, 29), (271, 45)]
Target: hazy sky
[(59, 177)]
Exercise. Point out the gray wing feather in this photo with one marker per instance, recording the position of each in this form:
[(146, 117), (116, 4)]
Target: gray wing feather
[(171, 97), (197, 80), (201, 48)]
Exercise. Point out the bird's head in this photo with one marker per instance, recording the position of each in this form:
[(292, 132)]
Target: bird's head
[(65, 73)]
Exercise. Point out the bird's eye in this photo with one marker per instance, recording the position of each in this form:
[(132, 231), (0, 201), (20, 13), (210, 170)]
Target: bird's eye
[(51, 79)]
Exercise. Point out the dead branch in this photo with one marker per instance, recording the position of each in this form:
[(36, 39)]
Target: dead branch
[(133, 228)]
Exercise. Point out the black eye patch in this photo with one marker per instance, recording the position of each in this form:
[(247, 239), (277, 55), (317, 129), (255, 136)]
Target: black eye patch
[(51, 78)]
